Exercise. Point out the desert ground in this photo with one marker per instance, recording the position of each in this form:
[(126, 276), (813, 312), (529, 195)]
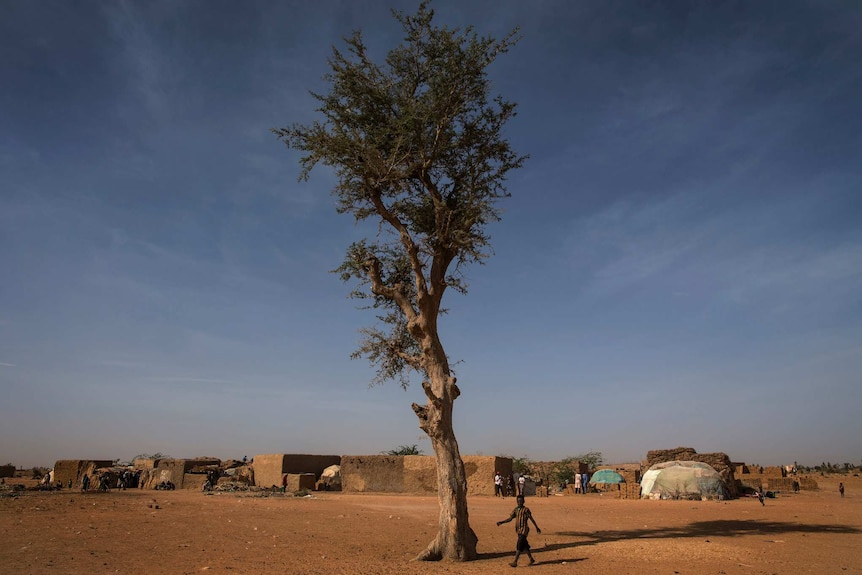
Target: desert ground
[(185, 532)]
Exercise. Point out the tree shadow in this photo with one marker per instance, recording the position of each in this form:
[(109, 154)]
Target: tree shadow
[(700, 529)]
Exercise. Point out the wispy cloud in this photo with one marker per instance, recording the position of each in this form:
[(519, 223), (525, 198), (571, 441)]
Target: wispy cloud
[(4, 364), (185, 379), (147, 68), (126, 364), (748, 257)]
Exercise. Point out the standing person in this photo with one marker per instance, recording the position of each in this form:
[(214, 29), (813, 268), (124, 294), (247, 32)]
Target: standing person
[(521, 482), (841, 489), (498, 484), (585, 481), (521, 514), (85, 482), (577, 482)]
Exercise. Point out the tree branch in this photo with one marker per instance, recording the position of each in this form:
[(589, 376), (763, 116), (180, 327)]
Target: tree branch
[(379, 287), (406, 241), (429, 393), (413, 360)]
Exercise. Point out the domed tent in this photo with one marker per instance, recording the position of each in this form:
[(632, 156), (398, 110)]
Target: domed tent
[(330, 479), (606, 476), (682, 480)]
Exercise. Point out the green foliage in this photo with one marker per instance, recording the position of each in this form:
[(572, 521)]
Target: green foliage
[(521, 465), (156, 455), (564, 470), (543, 472), (405, 450), (416, 143), (592, 458)]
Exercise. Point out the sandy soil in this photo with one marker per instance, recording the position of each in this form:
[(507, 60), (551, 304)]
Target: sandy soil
[(183, 532)]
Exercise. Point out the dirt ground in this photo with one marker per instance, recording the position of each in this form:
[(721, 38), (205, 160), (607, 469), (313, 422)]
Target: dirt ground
[(182, 532)]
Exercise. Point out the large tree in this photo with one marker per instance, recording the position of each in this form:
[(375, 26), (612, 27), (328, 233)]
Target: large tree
[(417, 146)]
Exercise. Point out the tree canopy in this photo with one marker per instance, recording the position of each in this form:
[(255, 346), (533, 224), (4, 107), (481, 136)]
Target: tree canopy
[(405, 450), (417, 144)]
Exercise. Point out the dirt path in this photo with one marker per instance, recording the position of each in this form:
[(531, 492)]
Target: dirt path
[(181, 532)]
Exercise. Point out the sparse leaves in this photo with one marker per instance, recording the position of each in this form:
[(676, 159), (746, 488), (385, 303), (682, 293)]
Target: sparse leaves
[(417, 143), (405, 450)]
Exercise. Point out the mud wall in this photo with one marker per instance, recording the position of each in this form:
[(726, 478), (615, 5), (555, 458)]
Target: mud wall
[(415, 473), (74, 469), (300, 481), (270, 468), (176, 470)]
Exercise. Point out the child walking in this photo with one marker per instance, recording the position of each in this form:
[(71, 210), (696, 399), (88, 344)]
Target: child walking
[(521, 515)]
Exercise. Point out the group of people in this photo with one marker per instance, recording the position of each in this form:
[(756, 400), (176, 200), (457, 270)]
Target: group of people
[(505, 487), (126, 479), (582, 481)]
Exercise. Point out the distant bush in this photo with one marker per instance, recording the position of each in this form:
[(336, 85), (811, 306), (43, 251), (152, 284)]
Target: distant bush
[(404, 450)]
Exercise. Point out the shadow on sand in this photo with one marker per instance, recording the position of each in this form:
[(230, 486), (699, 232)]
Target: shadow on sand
[(700, 529)]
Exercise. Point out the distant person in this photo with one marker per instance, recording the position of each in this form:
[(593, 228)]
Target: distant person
[(585, 481), (284, 483), (522, 481), (498, 484), (85, 482), (841, 489), (70, 484), (521, 514), (577, 482)]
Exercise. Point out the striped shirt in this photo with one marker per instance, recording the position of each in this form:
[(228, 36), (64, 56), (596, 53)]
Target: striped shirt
[(521, 515)]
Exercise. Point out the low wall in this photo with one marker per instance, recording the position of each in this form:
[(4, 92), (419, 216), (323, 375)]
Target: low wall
[(74, 469), (145, 463), (415, 473), (300, 481), (270, 468), (177, 470)]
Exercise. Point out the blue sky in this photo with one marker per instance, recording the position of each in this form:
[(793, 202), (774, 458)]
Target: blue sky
[(680, 262)]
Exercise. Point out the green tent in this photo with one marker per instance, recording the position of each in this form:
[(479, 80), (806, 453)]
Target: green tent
[(606, 476)]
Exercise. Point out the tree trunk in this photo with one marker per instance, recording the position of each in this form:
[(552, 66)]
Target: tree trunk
[(455, 540)]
